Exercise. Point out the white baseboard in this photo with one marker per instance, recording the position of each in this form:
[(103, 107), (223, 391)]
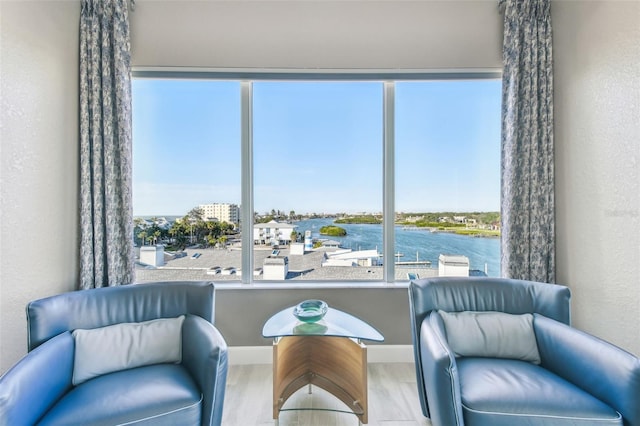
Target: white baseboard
[(243, 355), (390, 353)]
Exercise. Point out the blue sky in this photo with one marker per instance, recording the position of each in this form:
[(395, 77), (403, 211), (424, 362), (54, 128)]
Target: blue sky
[(317, 146)]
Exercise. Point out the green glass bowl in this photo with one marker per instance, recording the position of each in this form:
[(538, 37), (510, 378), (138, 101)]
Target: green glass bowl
[(310, 310)]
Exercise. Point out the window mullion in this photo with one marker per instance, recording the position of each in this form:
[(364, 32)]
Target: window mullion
[(388, 212), (246, 212)]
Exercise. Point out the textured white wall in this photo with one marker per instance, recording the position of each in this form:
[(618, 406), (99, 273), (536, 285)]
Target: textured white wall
[(349, 34), (39, 160), (597, 111)]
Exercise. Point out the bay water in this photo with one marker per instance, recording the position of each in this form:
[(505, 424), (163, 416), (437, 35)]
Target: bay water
[(414, 244)]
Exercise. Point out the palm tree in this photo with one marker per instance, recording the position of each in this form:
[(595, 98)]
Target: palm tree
[(177, 231), (142, 235), (195, 222), (139, 224)]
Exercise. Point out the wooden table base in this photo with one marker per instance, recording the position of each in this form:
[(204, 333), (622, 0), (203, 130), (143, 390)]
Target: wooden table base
[(335, 364)]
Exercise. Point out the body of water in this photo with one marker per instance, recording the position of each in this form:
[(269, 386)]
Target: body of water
[(415, 243)]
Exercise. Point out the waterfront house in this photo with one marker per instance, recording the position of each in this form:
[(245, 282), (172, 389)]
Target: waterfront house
[(330, 244), (273, 233)]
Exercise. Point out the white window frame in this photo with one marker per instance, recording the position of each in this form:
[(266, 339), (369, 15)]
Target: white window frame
[(387, 77)]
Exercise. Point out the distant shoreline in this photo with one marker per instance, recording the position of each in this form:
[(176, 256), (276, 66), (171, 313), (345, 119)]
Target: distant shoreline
[(475, 233)]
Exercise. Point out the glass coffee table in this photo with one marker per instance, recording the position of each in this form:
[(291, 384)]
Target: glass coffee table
[(328, 353)]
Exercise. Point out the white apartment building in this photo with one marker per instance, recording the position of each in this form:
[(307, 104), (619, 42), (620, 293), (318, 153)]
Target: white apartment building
[(272, 232), (222, 212)]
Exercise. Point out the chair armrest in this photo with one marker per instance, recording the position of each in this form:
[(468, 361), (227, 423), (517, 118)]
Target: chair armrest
[(440, 372), (31, 387), (204, 355), (605, 371)]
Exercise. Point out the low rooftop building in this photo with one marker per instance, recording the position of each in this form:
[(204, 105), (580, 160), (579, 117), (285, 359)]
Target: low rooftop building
[(275, 268), (450, 265)]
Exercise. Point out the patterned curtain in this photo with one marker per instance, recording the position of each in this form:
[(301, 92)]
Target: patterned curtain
[(106, 247), (528, 234)]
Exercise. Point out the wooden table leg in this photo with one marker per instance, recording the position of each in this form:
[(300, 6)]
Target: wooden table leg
[(335, 364)]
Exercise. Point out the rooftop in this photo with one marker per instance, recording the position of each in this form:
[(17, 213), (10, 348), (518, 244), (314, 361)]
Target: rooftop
[(301, 267)]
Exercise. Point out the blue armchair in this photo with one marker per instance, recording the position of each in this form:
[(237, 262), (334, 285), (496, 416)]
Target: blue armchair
[(173, 360), (473, 342)]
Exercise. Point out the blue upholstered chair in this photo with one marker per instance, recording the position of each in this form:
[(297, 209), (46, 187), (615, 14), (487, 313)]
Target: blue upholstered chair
[(501, 352), (144, 354)]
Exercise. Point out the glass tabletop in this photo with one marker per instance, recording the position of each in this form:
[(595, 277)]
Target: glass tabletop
[(335, 323)]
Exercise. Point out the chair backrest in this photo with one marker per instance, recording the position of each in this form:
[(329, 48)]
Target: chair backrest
[(457, 294), (87, 309)]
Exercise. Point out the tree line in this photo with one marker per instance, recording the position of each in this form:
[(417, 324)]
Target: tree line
[(188, 230)]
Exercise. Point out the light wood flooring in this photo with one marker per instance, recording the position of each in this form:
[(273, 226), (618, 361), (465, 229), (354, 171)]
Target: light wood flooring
[(393, 399)]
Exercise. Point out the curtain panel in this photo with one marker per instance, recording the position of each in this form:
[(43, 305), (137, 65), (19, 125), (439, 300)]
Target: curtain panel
[(528, 210), (106, 229)]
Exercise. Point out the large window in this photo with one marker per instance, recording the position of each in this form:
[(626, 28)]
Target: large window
[(447, 149), (186, 175), (317, 158), (326, 185)]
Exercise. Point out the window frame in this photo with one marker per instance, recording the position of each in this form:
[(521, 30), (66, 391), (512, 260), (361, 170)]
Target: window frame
[(388, 78)]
